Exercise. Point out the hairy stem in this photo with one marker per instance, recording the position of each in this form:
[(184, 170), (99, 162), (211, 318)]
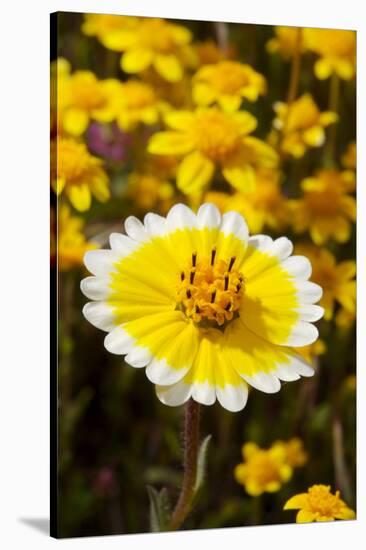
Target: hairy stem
[(191, 444)]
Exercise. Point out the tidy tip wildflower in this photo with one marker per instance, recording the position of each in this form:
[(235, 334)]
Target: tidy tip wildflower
[(204, 307)]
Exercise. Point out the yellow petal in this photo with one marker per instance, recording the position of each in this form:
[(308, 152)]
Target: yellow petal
[(169, 67), (246, 122), (314, 136), (79, 196), (328, 117), (100, 189), (229, 103), (75, 121), (179, 120), (240, 176), (344, 69), (297, 502), (202, 94), (194, 173), (346, 513), (169, 143), (304, 516), (137, 60), (322, 69)]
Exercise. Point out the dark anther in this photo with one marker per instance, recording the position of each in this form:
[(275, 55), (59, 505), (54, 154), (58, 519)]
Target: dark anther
[(194, 258), (191, 277), (232, 260), (238, 287), (182, 276), (197, 309), (228, 306), (213, 254), (189, 295), (213, 296), (226, 282)]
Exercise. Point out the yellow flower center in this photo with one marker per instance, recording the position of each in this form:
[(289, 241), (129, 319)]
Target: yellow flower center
[(229, 78), (262, 469), (323, 204), (73, 160), (210, 290), (137, 95), (215, 135), (322, 502)]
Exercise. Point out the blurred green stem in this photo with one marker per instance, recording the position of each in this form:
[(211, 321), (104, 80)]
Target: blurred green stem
[(295, 69), (191, 445), (340, 468), (333, 105)]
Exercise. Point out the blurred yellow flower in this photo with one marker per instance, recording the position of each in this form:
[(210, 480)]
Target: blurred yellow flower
[(319, 504), (149, 191), (286, 41), (227, 83), (210, 139), (336, 279), (264, 206), (151, 42), (263, 470), (136, 103), (345, 318), (326, 208), (349, 158), (78, 173), (81, 97), (208, 52), (108, 29), (296, 456), (336, 50), (71, 241), (301, 124)]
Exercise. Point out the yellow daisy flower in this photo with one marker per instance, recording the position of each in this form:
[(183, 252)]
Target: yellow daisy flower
[(203, 306), (149, 191), (285, 42), (227, 83), (349, 158), (109, 29), (77, 173), (264, 206), (326, 208), (82, 97), (137, 103), (301, 125), (155, 43), (336, 279), (263, 470), (210, 138), (71, 241), (336, 50), (319, 504)]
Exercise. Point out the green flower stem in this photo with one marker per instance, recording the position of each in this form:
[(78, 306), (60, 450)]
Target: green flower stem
[(295, 69), (191, 446)]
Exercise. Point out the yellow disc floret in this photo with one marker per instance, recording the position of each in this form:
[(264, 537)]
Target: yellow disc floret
[(210, 289), (216, 135)]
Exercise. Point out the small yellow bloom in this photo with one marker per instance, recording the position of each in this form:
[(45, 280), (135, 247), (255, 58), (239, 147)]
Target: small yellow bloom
[(319, 504), (136, 103), (326, 208), (71, 242), (109, 29), (301, 125), (227, 83), (336, 50), (263, 470), (210, 139), (82, 97), (150, 191), (349, 158), (264, 206), (336, 279), (78, 173), (151, 42), (286, 41), (208, 52)]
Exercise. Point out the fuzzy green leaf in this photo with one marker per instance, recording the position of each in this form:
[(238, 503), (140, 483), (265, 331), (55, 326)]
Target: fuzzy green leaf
[(159, 509)]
